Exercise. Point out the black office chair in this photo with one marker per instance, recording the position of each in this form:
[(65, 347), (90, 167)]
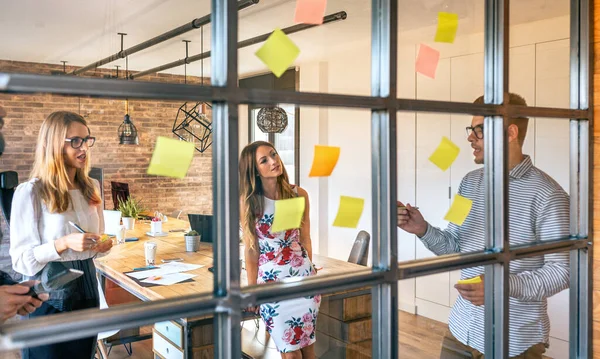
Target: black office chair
[(9, 180), (202, 224), (360, 250), (120, 192)]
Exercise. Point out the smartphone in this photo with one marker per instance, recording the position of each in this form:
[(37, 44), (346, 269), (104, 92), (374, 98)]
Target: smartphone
[(55, 282)]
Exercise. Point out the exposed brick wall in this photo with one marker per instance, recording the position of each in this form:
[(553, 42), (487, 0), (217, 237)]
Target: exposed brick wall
[(122, 163)]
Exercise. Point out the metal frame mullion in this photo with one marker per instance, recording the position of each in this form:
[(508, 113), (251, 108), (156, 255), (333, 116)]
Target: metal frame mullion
[(580, 313), (227, 327), (383, 171), (496, 179)]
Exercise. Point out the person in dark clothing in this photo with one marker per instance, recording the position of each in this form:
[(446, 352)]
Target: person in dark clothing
[(13, 298)]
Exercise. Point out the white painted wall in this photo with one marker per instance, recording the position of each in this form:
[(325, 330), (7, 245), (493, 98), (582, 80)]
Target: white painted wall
[(539, 72)]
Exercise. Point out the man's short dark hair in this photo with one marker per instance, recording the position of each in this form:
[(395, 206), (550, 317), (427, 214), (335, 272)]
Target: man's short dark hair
[(520, 122)]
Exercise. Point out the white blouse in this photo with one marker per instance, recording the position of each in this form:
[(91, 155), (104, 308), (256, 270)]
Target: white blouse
[(32, 234)]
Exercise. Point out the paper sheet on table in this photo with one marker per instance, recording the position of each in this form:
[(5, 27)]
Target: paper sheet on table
[(459, 210), (165, 269), (427, 61), (182, 266), (310, 11), (171, 158), (324, 161), (278, 52), (447, 26), (288, 214), (169, 279), (445, 154), (349, 212)]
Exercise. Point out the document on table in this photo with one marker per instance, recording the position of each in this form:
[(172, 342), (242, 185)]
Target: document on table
[(169, 279), (165, 269)]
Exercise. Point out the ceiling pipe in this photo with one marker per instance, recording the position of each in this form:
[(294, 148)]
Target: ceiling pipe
[(255, 40), (194, 24)]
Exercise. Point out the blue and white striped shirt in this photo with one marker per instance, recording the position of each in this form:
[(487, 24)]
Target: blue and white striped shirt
[(538, 211)]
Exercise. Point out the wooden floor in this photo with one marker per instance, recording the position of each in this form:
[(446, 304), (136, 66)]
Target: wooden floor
[(419, 337)]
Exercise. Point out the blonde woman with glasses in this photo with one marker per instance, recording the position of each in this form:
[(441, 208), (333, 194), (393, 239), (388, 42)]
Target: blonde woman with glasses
[(60, 191)]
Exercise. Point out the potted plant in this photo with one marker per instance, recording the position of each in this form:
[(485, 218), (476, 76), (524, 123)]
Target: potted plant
[(192, 241), (130, 209)]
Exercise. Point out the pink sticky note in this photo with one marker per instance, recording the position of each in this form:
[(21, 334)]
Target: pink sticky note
[(310, 11), (427, 61)]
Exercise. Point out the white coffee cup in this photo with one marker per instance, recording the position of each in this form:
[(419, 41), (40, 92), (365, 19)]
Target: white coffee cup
[(150, 252), (156, 227)]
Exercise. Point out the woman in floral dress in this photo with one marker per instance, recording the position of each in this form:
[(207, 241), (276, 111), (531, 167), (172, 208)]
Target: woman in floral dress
[(270, 256)]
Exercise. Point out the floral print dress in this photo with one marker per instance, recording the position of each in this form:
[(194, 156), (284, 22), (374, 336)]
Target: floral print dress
[(291, 323)]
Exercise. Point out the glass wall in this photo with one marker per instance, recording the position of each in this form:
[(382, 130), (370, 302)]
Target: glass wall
[(389, 93)]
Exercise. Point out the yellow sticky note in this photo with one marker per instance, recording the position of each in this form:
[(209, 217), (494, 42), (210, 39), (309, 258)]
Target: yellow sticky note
[(171, 158), (349, 212), (288, 214), (444, 154), (447, 26), (278, 52), (324, 161), (459, 210), (473, 280)]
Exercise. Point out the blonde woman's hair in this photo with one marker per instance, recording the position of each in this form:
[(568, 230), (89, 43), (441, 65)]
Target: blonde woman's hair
[(49, 166), (251, 191)]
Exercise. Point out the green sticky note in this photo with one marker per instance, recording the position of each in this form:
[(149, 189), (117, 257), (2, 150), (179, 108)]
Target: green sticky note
[(288, 214), (278, 52), (445, 154), (349, 212), (459, 210), (447, 26), (171, 158)]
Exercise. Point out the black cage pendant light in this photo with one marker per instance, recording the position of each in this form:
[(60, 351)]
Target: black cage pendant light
[(128, 134), (194, 125)]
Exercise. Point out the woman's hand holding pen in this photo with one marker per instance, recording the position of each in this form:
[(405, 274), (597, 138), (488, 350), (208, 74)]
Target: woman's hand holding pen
[(411, 220), (79, 242)]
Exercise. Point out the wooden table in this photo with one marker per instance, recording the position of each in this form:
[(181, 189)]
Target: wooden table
[(343, 326)]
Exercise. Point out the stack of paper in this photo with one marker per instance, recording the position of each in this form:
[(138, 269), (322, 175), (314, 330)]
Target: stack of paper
[(166, 274)]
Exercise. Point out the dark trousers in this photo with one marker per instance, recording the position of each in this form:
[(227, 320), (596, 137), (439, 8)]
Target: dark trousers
[(75, 349), (452, 348)]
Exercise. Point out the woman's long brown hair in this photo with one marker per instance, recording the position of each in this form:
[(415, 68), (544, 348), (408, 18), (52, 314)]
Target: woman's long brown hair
[(251, 191), (49, 166)]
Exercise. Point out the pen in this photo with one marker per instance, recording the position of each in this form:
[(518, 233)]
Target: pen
[(146, 267), (76, 226), (410, 207)]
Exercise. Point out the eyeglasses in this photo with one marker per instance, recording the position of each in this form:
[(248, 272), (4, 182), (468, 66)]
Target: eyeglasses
[(77, 142), (477, 130)]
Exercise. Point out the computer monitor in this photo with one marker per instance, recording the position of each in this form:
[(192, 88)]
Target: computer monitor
[(202, 224)]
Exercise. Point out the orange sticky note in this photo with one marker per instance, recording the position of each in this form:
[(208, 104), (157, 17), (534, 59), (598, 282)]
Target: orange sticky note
[(349, 212), (278, 52), (324, 161), (427, 61), (445, 154), (459, 210), (310, 11), (288, 214), (447, 27)]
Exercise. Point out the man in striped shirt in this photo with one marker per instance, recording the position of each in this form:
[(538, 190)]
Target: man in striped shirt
[(538, 211)]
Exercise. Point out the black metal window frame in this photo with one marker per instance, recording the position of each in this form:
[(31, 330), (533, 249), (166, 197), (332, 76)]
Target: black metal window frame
[(228, 297)]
